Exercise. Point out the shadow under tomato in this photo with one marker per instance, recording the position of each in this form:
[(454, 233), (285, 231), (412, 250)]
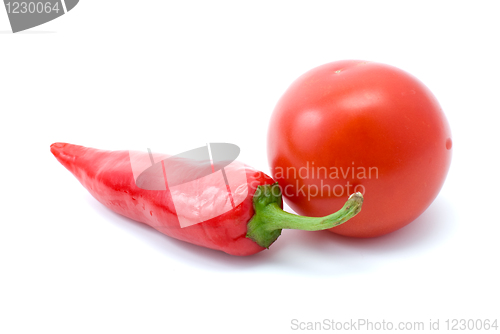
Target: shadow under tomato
[(327, 253), (429, 230)]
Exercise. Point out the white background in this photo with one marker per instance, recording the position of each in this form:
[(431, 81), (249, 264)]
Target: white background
[(174, 75)]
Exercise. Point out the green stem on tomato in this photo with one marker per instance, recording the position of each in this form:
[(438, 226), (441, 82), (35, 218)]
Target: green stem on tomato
[(269, 219)]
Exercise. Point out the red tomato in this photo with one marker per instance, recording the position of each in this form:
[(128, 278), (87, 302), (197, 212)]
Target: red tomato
[(361, 126)]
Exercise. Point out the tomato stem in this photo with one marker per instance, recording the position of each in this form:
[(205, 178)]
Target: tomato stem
[(269, 219)]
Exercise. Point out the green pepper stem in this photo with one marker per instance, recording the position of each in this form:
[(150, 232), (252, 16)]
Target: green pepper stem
[(269, 219)]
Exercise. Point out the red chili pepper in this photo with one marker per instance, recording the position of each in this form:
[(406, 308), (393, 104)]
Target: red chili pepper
[(247, 228)]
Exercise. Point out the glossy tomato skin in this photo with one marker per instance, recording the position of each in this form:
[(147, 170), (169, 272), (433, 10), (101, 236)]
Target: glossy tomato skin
[(364, 126)]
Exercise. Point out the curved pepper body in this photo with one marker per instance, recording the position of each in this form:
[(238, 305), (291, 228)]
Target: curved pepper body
[(109, 177)]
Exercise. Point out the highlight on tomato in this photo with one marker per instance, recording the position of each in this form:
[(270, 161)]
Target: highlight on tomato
[(357, 126)]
